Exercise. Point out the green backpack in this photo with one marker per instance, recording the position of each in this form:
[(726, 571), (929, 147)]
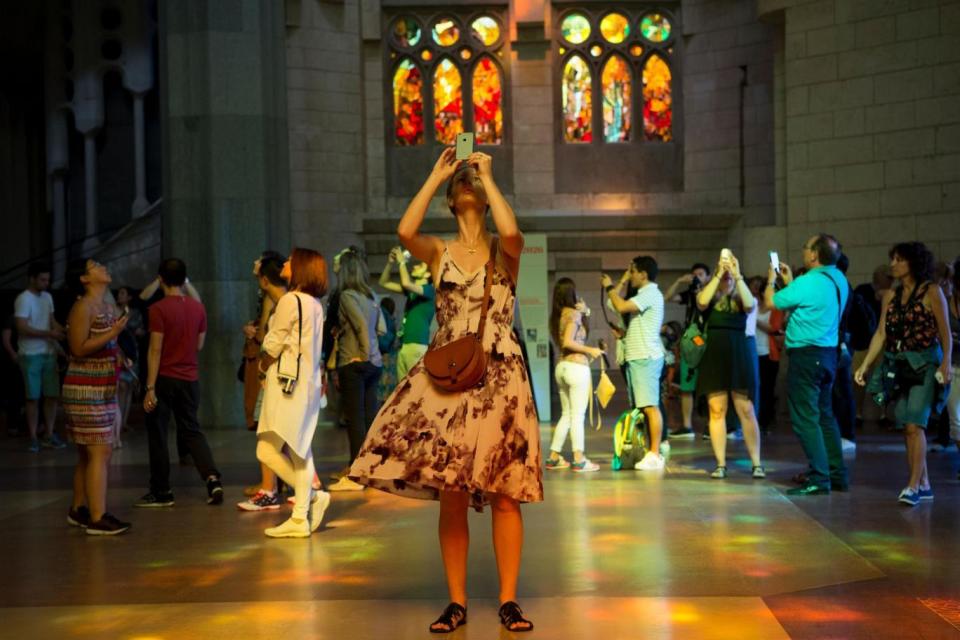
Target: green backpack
[(693, 343)]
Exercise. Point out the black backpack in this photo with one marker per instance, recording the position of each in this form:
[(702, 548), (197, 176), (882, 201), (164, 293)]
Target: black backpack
[(861, 322)]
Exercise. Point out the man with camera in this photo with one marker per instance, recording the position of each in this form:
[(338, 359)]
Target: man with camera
[(178, 329), (693, 281), (643, 347), (816, 301), (417, 286)]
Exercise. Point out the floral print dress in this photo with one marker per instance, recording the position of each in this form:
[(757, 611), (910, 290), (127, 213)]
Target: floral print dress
[(480, 441)]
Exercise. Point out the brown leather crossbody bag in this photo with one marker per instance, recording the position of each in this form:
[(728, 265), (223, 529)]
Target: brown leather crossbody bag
[(461, 364)]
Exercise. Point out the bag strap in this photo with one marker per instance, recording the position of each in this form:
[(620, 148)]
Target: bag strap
[(299, 335), (487, 286)]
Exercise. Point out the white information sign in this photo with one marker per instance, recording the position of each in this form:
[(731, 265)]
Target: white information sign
[(533, 297)]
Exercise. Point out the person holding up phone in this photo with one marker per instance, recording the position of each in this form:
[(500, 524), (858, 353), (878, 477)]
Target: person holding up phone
[(480, 446), (416, 284), (569, 329), (727, 368)]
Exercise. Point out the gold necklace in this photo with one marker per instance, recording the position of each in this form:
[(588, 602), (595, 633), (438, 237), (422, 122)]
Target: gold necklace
[(471, 248)]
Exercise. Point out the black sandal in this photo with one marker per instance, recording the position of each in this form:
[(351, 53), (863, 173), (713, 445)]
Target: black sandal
[(511, 615), (454, 616)]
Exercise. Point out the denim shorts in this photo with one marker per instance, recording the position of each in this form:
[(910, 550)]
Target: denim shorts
[(40, 376), (645, 381)]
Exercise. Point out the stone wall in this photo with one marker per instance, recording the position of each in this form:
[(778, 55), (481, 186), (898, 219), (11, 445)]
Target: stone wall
[(325, 113), (872, 115)]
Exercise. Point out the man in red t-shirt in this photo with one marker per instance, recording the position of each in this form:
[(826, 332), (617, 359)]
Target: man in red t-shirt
[(178, 328)]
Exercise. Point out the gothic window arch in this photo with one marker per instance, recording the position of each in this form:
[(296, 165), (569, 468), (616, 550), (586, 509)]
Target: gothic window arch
[(617, 70), (457, 58)]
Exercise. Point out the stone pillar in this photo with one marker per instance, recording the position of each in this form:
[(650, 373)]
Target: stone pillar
[(90, 190), (225, 167), (140, 202)]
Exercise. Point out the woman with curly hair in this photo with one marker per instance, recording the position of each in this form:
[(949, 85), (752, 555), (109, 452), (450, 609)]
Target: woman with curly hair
[(913, 335)]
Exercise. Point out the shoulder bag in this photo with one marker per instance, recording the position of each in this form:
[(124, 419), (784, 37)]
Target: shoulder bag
[(461, 364), (288, 379)]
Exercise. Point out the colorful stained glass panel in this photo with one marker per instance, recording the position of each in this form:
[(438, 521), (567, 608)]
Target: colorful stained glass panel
[(616, 84), (636, 51), (447, 102), (655, 27), (407, 104), (486, 30), (615, 28), (657, 100), (577, 99), (446, 32), (406, 32), (596, 50), (575, 28), (487, 102)]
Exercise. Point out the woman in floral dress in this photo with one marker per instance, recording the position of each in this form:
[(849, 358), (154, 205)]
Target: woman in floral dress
[(480, 446)]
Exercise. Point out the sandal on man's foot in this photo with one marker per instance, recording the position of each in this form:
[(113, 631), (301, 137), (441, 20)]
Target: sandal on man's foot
[(453, 616), (511, 617)]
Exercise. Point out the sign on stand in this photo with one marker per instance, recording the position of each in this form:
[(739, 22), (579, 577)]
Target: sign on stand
[(533, 297)]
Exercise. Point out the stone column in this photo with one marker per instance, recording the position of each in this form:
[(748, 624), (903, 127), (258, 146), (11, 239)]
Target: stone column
[(140, 202), (90, 241), (225, 167)]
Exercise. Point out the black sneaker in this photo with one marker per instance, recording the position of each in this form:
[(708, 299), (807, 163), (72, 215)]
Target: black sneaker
[(214, 491), (79, 517), (107, 526), (155, 500), (683, 433)]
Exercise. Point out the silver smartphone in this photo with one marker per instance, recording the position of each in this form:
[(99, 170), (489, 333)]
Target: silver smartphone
[(775, 261), (464, 145)]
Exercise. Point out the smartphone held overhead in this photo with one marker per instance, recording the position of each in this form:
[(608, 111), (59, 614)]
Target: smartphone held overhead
[(464, 145), (775, 261)]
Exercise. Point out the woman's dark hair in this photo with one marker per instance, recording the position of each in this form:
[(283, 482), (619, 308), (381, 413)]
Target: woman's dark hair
[(271, 267), (388, 305), (918, 257), (956, 279), (564, 297), (308, 272), (76, 269)]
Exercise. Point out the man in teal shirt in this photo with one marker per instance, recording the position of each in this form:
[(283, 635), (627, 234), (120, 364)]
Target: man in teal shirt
[(815, 301)]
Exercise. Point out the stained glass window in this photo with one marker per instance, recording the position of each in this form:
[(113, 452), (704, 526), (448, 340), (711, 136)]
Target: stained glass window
[(446, 32), (406, 31), (486, 30), (615, 81), (447, 102), (657, 100), (408, 104), (615, 28), (623, 55), (575, 28), (577, 101), (487, 102), (655, 27)]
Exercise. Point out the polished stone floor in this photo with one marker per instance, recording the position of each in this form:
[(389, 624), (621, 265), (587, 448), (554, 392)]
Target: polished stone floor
[(607, 555)]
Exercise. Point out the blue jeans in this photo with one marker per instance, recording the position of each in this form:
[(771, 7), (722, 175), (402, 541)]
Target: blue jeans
[(810, 377)]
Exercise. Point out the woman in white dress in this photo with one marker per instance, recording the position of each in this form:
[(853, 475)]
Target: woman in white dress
[(291, 351)]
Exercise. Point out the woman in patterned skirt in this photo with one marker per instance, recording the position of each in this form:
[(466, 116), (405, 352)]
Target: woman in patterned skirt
[(479, 446), (90, 395)]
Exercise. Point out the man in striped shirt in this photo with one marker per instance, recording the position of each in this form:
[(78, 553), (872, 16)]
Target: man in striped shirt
[(643, 347)]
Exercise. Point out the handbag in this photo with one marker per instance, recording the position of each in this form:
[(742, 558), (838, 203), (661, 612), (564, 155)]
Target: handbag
[(288, 379), (602, 393), (461, 364), (693, 344)]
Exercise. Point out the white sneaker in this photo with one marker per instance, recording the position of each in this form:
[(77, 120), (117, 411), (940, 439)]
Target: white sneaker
[(650, 462), (317, 508), (847, 445), (345, 484), (289, 529), (665, 450)]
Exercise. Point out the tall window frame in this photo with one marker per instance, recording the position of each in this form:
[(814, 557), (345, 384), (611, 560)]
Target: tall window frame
[(408, 163), (655, 164)]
